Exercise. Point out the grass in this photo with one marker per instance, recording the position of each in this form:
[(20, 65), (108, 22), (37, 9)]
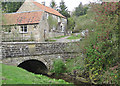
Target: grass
[(50, 40), (15, 75), (74, 37), (59, 37)]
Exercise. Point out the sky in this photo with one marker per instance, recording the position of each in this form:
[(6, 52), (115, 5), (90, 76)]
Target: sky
[(71, 4)]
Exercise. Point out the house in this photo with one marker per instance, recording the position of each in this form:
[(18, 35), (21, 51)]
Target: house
[(33, 22)]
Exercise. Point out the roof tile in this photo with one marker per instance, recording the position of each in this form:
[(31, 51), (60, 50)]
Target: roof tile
[(22, 18), (48, 9)]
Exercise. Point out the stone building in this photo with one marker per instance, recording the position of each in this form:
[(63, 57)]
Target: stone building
[(33, 22)]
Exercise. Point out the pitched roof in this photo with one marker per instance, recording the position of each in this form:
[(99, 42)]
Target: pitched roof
[(22, 18), (48, 9)]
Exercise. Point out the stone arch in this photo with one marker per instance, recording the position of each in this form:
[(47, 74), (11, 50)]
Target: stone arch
[(34, 66)]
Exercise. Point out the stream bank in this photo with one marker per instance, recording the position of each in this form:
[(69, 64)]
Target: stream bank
[(76, 80)]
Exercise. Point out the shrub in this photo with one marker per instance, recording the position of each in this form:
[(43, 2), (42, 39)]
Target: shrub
[(102, 52), (71, 23), (52, 22), (85, 22), (59, 66)]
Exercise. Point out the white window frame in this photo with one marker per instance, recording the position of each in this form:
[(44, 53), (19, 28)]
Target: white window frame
[(20, 30)]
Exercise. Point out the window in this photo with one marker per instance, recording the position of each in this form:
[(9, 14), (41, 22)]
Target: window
[(7, 29), (61, 26), (15, 27), (35, 26), (23, 29)]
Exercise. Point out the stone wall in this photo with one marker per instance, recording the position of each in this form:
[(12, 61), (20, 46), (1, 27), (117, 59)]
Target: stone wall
[(15, 33), (36, 49), (16, 53), (46, 59), (28, 6), (35, 32)]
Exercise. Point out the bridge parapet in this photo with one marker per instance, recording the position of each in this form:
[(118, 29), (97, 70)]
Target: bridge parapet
[(17, 53), (36, 49)]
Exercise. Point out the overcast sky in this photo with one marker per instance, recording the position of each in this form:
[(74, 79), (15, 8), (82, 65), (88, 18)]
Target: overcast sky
[(71, 4)]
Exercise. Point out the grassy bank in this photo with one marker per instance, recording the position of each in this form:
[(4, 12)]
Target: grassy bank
[(59, 37), (50, 40), (74, 37), (15, 75)]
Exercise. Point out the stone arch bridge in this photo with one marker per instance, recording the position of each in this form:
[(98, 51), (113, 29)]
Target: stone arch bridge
[(36, 57)]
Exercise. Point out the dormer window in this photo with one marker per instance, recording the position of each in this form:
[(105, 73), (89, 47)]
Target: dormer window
[(23, 29)]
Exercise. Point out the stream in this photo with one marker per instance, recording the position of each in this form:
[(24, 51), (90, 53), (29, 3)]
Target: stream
[(77, 81)]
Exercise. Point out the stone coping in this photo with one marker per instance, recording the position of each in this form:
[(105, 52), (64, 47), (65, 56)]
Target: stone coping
[(34, 42)]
